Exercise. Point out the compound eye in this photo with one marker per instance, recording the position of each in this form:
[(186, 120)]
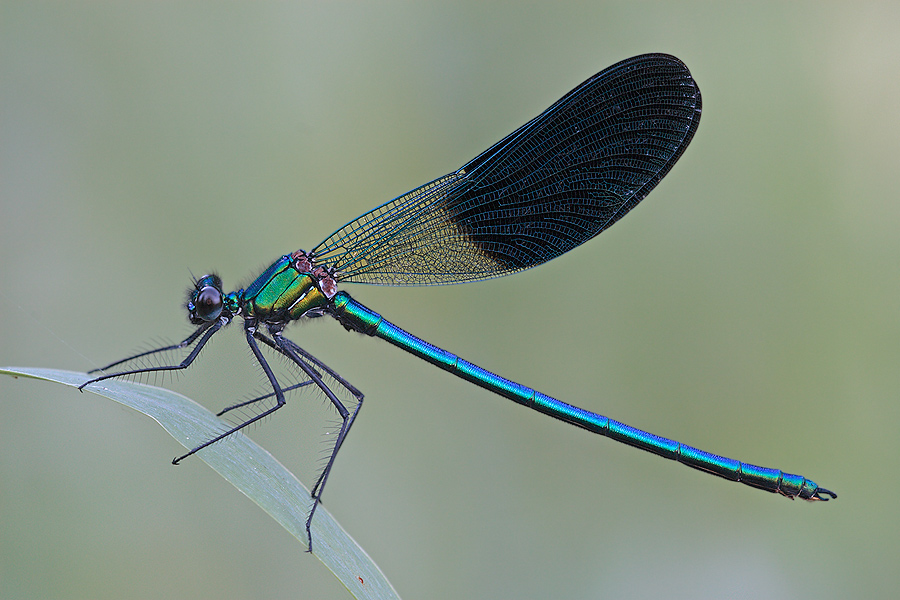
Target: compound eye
[(208, 304)]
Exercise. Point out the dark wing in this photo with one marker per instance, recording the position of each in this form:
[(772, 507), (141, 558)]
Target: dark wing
[(549, 186)]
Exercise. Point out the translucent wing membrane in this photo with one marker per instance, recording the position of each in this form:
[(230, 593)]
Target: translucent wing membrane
[(551, 185)]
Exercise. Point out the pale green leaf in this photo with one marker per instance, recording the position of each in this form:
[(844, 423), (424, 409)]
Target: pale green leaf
[(248, 467)]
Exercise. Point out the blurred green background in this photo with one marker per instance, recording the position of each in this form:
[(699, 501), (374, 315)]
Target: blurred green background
[(748, 307)]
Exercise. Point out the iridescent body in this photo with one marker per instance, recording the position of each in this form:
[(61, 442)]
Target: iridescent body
[(554, 183)]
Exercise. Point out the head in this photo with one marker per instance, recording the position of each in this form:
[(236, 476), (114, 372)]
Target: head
[(206, 302)]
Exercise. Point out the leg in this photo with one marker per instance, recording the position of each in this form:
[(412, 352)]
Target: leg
[(208, 330), (268, 342), (292, 351), (334, 375), (186, 342), (347, 386), (292, 346), (263, 397), (279, 398)]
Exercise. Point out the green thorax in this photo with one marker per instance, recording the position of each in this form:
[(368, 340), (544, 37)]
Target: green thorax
[(284, 292)]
